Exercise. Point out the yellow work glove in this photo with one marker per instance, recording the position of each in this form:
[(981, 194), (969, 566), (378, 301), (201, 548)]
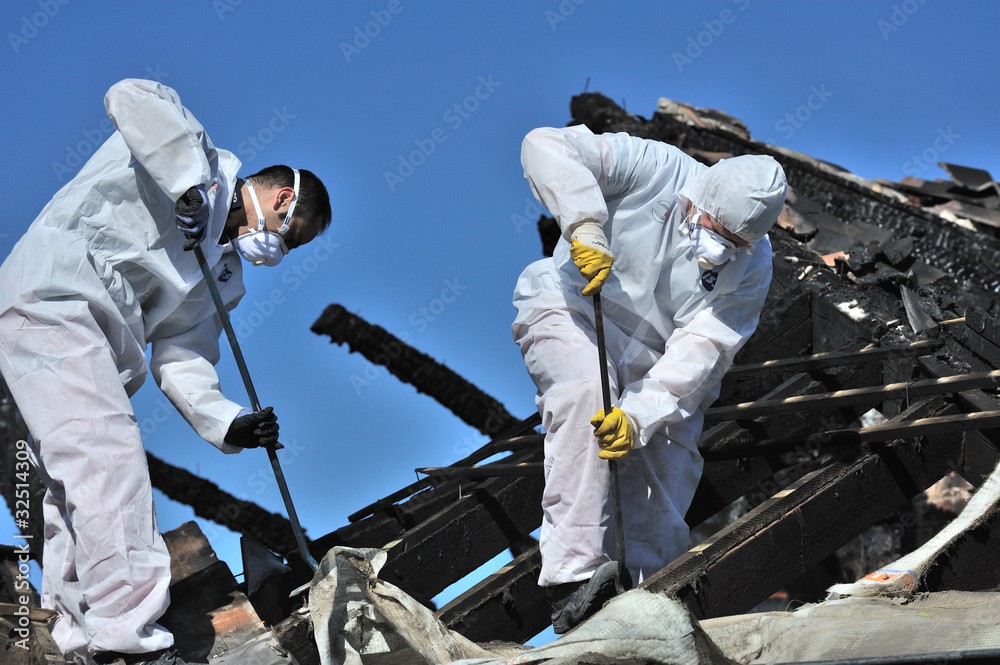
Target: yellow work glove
[(614, 433), (590, 252)]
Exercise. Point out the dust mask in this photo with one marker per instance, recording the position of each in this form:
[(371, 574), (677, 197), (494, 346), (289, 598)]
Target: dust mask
[(710, 248), (260, 246)]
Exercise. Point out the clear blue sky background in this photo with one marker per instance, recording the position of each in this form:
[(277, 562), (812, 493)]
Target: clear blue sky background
[(350, 90)]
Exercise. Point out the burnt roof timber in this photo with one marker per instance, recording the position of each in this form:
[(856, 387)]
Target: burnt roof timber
[(428, 376), (443, 549), (505, 606), (867, 396), (504, 442), (798, 527), (211, 502), (835, 358)]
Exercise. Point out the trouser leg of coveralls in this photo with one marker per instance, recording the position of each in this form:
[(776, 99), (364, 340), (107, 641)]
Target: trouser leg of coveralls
[(59, 557), (657, 481), (106, 568), (560, 353), (657, 484)]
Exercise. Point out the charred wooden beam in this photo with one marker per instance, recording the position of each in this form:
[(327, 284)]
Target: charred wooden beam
[(967, 563), (512, 439), (981, 445), (784, 330), (428, 376), (392, 520), (868, 396), (387, 519), (208, 615), (979, 340), (834, 440), (837, 358), (508, 603), (510, 606), (796, 529), (961, 565), (484, 471), (213, 503), (499, 513)]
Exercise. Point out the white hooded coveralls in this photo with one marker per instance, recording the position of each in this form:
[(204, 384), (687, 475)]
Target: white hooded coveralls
[(671, 329), (100, 273)]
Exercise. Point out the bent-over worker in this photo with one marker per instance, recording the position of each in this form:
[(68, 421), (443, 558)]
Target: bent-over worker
[(680, 255)]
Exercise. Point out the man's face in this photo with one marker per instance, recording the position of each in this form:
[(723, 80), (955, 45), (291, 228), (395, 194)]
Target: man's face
[(274, 202), (711, 223)]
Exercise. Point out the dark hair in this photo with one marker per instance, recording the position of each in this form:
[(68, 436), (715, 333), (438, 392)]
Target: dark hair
[(313, 203)]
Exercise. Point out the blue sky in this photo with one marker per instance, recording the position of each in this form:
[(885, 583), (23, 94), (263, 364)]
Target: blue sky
[(413, 114)]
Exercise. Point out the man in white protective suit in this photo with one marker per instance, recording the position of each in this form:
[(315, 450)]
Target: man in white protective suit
[(680, 255), (102, 272)]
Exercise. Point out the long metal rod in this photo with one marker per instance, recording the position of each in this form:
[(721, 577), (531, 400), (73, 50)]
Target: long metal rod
[(616, 497), (234, 343)]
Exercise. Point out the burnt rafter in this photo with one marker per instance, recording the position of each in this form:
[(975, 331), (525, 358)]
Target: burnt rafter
[(428, 376), (213, 503)]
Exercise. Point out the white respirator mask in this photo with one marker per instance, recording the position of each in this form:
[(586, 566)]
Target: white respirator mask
[(710, 248), (260, 246)]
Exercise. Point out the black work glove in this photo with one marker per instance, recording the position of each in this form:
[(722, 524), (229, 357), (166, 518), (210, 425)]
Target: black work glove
[(192, 214), (253, 430)]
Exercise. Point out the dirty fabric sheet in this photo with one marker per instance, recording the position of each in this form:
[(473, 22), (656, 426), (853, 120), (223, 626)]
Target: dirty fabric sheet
[(867, 627), (361, 620)]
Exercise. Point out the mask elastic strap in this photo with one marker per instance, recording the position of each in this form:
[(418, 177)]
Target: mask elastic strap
[(690, 221), (291, 206), (256, 206)]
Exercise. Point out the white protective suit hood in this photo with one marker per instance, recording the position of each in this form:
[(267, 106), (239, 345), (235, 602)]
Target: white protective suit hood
[(744, 193)]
